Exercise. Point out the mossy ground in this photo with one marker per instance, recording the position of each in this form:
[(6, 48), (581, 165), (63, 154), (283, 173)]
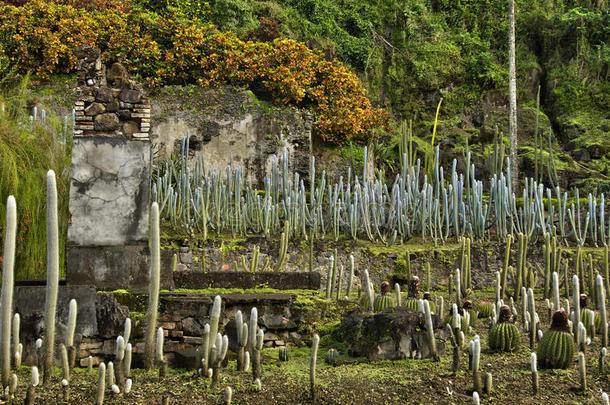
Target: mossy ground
[(359, 382)]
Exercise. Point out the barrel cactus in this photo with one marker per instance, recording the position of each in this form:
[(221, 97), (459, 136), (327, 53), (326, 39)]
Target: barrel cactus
[(556, 348), (331, 356), (474, 314), (384, 299), (486, 310), (588, 317), (504, 335), (283, 354)]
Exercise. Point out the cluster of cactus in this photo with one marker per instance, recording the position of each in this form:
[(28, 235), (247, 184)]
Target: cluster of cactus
[(485, 310), (556, 348), (504, 335), (429, 205), (283, 354)]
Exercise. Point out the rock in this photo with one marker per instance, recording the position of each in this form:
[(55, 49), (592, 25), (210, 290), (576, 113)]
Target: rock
[(130, 127), (117, 76), (130, 96), (181, 267), (191, 327), (389, 335), (110, 316), (95, 109), (106, 122), (277, 322), (124, 114), (270, 336), (104, 95), (186, 258), (112, 106), (581, 155)]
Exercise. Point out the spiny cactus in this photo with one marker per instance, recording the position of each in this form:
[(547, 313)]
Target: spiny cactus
[(101, 385), (52, 276), (228, 395), (70, 329), (7, 287), (17, 346), (485, 310), (582, 371), (602, 361), (369, 294), (253, 329), (504, 335), (12, 386), (65, 364), (509, 239), (476, 359), (601, 303), (159, 353), (217, 355), (312, 366), (350, 276), (30, 396), (153, 288), (119, 357), (127, 360), (127, 330), (398, 298), (455, 365), (242, 339), (430, 330), (283, 354), (256, 355), (331, 356), (384, 299), (576, 309), (458, 288), (535, 378), (556, 348)]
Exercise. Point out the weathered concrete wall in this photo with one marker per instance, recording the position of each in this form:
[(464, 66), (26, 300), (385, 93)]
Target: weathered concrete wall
[(110, 177), (229, 125)]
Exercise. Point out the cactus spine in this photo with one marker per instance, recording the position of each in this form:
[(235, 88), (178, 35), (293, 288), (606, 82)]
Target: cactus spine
[(312, 366), (71, 327), (52, 276), (7, 287), (153, 288)]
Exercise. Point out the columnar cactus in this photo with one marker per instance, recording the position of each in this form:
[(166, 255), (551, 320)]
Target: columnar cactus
[(65, 364), (398, 298), (217, 355), (504, 335), (531, 306), (127, 360), (601, 303), (384, 299), (556, 348), (228, 395), (52, 276), (283, 354), (7, 287), (430, 330), (368, 290), (214, 319), (535, 378), (159, 353), (70, 329), (350, 276), (576, 303), (455, 365), (153, 288), (582, 371), (312, 366), (110, 371), (256, 355), (556, 304), (476, 358), (253, 329), (127, 330), (119, 358), (242, 339), (30, 396), (101, 385), (17, 346), (458, 288)]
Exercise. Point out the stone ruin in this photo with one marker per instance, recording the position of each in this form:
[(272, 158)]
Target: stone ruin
[(110, 178)]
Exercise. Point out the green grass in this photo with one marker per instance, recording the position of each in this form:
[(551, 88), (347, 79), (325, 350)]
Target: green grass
[(27, 151)]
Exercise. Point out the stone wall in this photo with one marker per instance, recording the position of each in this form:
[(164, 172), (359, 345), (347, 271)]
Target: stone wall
[(110, 177), (227, 125)]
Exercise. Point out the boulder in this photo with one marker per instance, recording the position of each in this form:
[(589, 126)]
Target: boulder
[(106, 122), (130, 96), (391, 335), (95, 109)]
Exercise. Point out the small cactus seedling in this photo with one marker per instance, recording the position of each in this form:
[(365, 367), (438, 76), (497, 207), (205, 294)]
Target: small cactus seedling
[(283, 354), (228, 395), (556, 348), (331, 356), (70, 329), (504, 335)]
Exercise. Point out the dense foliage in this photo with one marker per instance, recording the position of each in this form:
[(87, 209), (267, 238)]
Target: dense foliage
[(27, 151), (41, 37)]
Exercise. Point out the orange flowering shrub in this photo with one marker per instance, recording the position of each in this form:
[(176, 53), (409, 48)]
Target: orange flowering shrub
[(41, 36)]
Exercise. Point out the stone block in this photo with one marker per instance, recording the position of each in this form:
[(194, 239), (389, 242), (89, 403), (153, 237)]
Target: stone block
[(105, 95), (95, 109), (109, 192), (192, 340), (130, 96), (106, 122)]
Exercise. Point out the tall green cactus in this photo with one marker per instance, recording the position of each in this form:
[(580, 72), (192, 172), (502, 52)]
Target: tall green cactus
[(509, 240), (153, 288), (601, 303), (430, 331), (7, 287), (52, 276)]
